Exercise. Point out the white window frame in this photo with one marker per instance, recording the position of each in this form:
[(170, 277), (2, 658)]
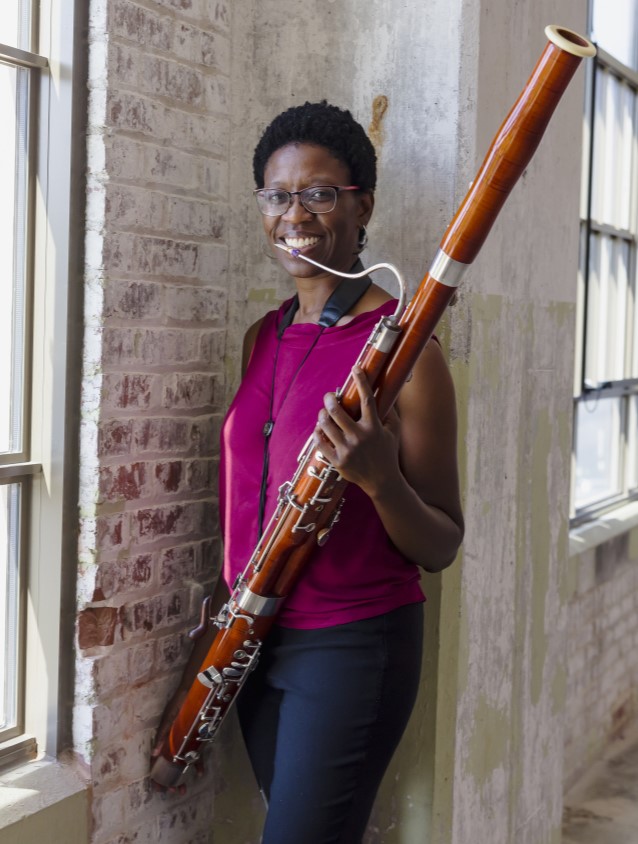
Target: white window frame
[(621, 388), (50, 529)]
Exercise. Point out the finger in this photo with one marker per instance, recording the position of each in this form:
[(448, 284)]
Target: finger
[(330, 429), (338, 414), (366, 396), (323, 444)]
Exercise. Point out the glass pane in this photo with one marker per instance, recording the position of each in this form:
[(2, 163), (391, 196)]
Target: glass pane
[(16, 22), (9, 605), (632, 445), (598, 429), (607, 303), (614, 144), (13, 229), (615, 28)]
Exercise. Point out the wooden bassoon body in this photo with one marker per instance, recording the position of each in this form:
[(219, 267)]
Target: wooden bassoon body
[(309, 504)]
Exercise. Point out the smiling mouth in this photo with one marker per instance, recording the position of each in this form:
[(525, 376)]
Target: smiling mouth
[(300, 242)]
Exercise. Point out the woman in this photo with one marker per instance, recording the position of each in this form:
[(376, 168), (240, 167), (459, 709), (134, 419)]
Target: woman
[(336, 682)]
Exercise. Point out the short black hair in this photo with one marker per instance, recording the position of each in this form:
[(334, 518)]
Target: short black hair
[(324, 125)]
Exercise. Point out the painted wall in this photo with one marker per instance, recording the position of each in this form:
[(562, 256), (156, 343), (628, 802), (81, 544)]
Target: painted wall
[(512, 341)]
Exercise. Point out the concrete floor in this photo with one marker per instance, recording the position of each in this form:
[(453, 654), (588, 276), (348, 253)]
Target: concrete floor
[(603, 807)]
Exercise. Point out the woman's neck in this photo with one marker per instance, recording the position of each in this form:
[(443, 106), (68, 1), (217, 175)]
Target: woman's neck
[(313, 295)]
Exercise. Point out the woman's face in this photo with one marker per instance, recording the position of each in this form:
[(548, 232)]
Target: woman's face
[(331, 239)]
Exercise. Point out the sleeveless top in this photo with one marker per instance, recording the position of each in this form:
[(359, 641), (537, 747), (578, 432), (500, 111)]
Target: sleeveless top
[(358, 573)]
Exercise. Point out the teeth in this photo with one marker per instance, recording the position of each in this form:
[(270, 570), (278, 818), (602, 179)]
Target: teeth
[(300, 242)]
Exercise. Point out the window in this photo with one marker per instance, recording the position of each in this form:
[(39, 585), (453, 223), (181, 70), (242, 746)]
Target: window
[(606, 399), (19, 69), (36, 151)]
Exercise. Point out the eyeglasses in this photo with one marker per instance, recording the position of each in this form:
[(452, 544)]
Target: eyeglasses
[(318, 199)]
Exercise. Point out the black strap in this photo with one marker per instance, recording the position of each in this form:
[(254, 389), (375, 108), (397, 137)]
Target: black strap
[(340, 302)]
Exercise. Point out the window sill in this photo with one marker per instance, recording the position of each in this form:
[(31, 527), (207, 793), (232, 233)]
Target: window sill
[(602, 529), (44, 787)]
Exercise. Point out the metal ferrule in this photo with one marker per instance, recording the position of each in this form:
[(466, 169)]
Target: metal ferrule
[(258, 605), (385, 335), (446, 270)]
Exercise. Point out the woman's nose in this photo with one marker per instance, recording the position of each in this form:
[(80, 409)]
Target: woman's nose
[(296, 210)]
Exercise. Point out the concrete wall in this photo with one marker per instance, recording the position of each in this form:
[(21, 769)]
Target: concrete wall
[(512, 340)]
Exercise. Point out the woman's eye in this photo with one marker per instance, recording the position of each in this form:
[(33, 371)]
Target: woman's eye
[(320, 195), (277, 197)]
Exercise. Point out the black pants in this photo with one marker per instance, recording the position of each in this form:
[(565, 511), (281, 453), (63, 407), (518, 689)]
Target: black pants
[(322, 715)]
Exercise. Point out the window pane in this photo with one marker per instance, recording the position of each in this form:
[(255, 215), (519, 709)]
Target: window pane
[(613, 167), (13, 228), (9, 606), (598, 443), (607, 303), (615, 28), (632, 443), (16, 22)]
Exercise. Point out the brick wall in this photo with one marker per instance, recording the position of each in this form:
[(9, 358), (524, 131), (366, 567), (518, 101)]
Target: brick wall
[(602, 652), (153, 388)]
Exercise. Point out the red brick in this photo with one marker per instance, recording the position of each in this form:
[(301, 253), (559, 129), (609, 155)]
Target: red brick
[(205, 435), (122, 482), (200, 475), (127, 575), (169, 475), (152, 347), (195, 303), (111, 531), (114, 437), (140, 25), (133, 300), (177, 565), (130, 390), (155, 613), (142, 662), (172, 651), (189, 390), (97, 626), (162, 434)]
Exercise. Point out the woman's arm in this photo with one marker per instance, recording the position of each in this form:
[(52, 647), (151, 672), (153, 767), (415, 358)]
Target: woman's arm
[(407, 465)]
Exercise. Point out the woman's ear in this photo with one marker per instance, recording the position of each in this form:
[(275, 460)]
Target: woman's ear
[(366, 207)]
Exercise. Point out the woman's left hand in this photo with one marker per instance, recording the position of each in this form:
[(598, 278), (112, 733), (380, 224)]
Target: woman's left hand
[(366, 452)]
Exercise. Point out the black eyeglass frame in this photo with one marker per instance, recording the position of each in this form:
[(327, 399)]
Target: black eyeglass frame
[(260, 192)]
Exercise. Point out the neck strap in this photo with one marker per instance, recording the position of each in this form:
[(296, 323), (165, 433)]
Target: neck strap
[(345, 297)]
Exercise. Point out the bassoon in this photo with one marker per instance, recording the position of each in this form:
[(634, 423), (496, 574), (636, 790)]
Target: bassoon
[(309, 504)]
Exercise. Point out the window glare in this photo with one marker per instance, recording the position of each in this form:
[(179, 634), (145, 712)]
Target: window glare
[(614, 167), (597, 451), (607, 309), (13, 178), (632, 445), (619, 39), (9, 583), (16, 20)]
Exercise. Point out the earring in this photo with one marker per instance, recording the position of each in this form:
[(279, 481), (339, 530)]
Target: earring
[(362, 242)]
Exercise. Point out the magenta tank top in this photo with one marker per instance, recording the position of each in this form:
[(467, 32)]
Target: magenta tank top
[(358, 573)]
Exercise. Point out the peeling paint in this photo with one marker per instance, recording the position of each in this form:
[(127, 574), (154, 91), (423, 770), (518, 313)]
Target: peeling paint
[(559, 691), (264, 294), (489, 743), (540, 550)]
